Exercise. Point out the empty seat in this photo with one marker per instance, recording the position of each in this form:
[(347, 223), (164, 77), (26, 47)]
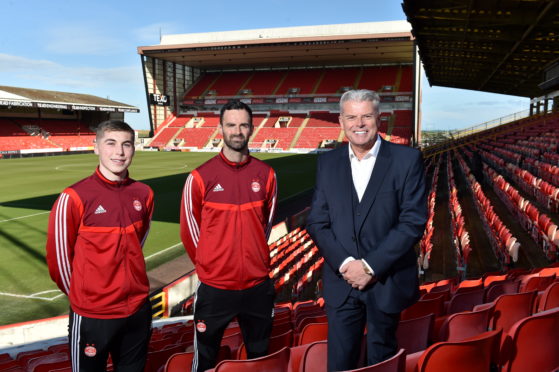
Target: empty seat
[(497, 289), (179, 362), (276, 343), (532, 344), (424, 307), (536, 283), (413, 334), (313, 332), (465, 301), (395, 364), (509, 309), (315, 358), (460, 326), (549, 298), (276, 362), (474, 354)]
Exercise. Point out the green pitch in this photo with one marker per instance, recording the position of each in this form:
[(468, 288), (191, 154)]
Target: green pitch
[(29, 187)]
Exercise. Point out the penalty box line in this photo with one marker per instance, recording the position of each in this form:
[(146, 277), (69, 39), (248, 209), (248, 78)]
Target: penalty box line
[(39, 295)]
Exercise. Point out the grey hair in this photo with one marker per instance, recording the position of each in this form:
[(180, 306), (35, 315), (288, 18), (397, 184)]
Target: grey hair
[(360, 95)]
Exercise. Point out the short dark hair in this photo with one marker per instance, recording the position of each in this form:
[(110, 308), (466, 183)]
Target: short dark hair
[(235, 104), (114, 126)]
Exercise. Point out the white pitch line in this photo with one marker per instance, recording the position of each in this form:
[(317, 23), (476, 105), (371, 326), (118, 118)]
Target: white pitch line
[(163, 251), (32, 296), (21, 217), (36, 296)]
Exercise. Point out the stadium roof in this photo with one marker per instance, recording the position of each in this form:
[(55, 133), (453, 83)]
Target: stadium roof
[(500, 46), (343, 44), (24, 97)]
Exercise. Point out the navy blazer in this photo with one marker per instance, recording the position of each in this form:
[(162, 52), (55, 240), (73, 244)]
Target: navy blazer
[(390, 221)]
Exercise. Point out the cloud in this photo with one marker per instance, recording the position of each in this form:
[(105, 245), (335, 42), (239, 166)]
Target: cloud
[(28, 72), (81, 39)]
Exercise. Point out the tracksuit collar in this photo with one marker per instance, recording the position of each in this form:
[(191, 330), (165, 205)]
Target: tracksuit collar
[(108, 181), (233, 164)]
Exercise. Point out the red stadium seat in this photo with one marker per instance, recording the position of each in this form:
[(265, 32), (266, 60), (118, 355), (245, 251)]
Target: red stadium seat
[(474, 354), (313, 332), (413, 334), (424, 307), (532, 344), (460, 326), (466, 301), (180, 362), (509, 309), (276, 362), (276, 343), (497, 289), (549, 298), (395, 364), (314, 358)]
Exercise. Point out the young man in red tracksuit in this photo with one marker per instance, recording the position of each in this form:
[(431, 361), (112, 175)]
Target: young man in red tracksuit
[(227, 209), (96, 231)]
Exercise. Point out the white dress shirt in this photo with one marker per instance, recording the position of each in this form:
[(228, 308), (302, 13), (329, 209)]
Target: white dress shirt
[(361, 171)]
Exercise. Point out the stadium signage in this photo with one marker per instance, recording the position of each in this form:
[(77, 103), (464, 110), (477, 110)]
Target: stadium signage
[(83, 108), (16, 103), (159, 99), (52, 106), (320, 100), (61, 106)]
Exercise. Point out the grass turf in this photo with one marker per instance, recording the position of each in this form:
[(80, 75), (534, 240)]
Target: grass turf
[(30, 186)]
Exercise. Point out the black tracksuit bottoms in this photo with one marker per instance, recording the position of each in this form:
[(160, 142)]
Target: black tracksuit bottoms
[(214, 309), (125, 339)]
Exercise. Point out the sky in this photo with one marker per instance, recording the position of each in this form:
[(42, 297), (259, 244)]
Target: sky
[(90, 47)]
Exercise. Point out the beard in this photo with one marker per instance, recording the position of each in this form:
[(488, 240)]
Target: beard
[(236, 143)]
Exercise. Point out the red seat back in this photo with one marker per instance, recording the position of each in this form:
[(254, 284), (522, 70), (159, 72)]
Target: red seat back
[(276, 362), (474, 354), (460, 326), (313, 332), (395, 364), (532, 344), (550, 298), (413, 334)]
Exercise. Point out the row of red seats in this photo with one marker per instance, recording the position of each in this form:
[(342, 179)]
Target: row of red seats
[(544, 192), (311, 275), (292, 270), (315, 81), (506, 155), (504, 244), (511, 346), (525, 211), (460, 237), (426, 243), (546, 171), (281, 252)]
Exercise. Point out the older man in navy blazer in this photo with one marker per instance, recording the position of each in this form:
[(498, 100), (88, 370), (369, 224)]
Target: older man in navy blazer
[(368, 212)]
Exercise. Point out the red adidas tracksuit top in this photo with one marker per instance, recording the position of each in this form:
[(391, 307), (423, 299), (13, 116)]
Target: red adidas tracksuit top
[(226, 216), (94, 245)]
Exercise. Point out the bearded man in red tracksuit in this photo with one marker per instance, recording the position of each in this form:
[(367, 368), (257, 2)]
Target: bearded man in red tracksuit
[(96, 231), (227, 209)]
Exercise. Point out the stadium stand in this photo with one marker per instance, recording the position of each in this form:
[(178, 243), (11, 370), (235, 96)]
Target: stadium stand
[(34, 121), (471, 322)]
